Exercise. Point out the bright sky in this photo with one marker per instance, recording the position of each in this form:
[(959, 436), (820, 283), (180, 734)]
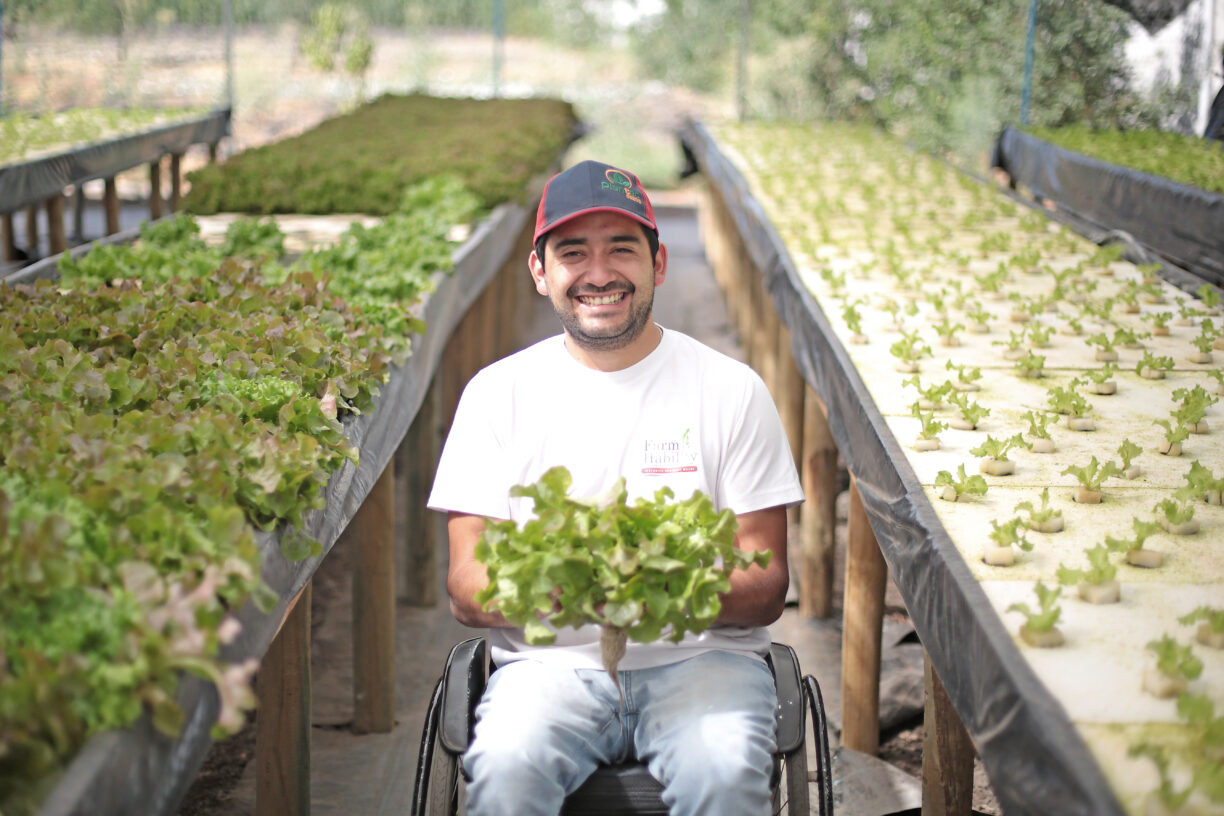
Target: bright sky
[(627, 12)]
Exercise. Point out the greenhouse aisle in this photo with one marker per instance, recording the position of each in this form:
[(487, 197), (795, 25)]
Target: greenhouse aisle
[(373, 774)]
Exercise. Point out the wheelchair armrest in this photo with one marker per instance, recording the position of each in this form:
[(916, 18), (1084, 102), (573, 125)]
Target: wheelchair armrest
[(789, 713), (463, 682)]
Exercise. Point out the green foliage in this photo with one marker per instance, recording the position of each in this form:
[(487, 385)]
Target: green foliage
[(1143, 531), (1092, 475), (1038, 515), (1167, 792), (24, 135), (1099, 375), (929, 426), (1151, 362), (339, 33), (1174, 432), (1127, 452), (1066, 400), (1175, 156), (964, 373), (943, 75), (1048, 611), (149, 429), (1175, 659), (1010, 534), (971, 411), (963, 484), (1199, 481), (253, 238), (1212, 616), (1098, 571), (361, 162), (1194, 404), (910, 347), (933, 394), (654, 568), (162, 403), (1038, 424), (997, 449), (1175, 511)]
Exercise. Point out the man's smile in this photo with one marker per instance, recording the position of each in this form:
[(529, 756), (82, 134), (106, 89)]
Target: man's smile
[(601, 300)]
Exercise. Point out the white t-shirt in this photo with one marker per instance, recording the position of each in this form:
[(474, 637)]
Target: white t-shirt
[(686, 417)]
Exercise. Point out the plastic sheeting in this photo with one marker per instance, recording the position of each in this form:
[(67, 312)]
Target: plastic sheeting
[(35, 181), (1177, 221), (1036, 760), (139, 770)]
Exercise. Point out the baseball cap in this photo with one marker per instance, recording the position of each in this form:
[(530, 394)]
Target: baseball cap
[(592, 186)]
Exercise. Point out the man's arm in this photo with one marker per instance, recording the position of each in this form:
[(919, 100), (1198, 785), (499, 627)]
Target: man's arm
[(758, 596), (466, 576)]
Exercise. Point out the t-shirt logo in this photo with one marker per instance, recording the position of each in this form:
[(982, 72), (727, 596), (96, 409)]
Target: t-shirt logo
[(669, 455)]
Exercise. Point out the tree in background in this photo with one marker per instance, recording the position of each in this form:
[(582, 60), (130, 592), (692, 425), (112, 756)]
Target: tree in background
[(943, 74), (339, 32)]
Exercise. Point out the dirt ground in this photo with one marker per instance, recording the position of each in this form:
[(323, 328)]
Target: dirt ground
[(277, 95)]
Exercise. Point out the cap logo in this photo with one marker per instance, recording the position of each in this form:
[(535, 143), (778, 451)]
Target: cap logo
[(615, 179)]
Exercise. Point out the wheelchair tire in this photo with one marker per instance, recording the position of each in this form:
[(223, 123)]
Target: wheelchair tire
[(442, 791), (797, 803)]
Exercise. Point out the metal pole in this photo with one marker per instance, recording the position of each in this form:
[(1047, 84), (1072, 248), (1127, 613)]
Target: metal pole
[(499, 39), (1210, 61), (1027, 91), (741, 60), (227, 22), (1, 57)]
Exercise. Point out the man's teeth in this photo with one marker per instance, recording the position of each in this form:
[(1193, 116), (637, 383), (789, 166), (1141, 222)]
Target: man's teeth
[(603, 300)]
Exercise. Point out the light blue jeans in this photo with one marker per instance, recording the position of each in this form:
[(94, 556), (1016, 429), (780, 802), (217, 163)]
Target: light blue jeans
[(705, 727)]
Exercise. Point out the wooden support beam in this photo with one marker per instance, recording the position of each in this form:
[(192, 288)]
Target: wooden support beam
[(947, 753), (31, 230), (742, 304), (57, 240), (155, 196), (866, 575), (372, 532), (818, 514), (486, 325), (789, 396), (764, 334), (415, 461), (78, 214), (212, 152), (8, 243), (282, 729), (110, 202), (176, 181)]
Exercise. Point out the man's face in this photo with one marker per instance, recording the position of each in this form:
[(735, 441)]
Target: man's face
[(600, 278)]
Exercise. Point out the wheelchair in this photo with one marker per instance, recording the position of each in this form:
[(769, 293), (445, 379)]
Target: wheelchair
[(627, 788)]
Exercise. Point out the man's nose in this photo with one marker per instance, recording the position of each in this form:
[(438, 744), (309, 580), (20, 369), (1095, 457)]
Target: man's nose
[(599, 271)]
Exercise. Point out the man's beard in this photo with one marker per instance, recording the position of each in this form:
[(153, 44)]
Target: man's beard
[(639, 318)]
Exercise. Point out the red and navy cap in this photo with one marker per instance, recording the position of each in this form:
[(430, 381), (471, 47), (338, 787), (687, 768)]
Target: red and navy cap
[(592, 186)]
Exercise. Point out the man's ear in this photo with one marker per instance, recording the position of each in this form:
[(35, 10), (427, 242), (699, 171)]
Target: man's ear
[(537, 273), (660, 264)]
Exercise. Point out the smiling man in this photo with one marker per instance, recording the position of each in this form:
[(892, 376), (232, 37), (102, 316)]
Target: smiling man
[(617, 396)]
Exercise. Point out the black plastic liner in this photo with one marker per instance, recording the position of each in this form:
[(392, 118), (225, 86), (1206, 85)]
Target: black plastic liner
[(1036, 760), (1182, 223), (35, 181), (139, 770)]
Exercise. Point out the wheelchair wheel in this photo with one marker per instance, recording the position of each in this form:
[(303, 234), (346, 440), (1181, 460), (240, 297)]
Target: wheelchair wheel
[(442, 787), (797, 803), (436, 788)]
